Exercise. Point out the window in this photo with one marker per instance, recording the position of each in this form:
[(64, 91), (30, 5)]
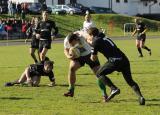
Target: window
[(125, 1), (118, 1)]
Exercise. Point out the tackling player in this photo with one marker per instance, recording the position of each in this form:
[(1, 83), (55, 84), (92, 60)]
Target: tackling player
[(117, 61), (46, 31), (141, 36), (71, 40), (33, 73)]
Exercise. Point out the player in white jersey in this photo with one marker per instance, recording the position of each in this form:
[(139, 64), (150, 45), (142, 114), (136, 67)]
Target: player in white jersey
[(76, 63)]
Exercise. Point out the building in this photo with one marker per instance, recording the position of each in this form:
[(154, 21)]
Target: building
[(128, 7)]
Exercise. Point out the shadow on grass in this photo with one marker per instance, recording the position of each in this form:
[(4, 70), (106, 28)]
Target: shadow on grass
[(85, 74), (16, 98), (135, 100), (64, 85)]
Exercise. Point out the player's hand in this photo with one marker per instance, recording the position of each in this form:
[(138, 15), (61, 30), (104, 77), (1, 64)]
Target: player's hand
[(38, 36)]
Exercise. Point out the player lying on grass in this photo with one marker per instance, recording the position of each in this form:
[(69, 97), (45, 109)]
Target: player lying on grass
[(76, 62), (117, 61), (33, 73)]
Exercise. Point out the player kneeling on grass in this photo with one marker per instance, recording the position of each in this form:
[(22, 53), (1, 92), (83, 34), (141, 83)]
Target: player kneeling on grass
[(33, 73), (117, 61)]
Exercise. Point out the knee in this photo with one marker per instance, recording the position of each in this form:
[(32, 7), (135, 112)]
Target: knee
[(137, 45)]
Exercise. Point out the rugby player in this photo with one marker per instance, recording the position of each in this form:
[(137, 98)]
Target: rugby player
[(141, 36), (117, 61), (33, 73), (32, 30), (46, 32), (76, 63)]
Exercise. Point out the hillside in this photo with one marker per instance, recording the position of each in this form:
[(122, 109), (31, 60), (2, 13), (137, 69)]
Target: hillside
[(112, 23)]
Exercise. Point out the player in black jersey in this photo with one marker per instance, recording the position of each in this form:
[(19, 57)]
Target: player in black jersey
[(117, 61), (33, 73), (46, 31), (141, 36), (31, 32)]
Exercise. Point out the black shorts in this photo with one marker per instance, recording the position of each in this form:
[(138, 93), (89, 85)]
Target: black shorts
[(86, 59), (35, 43), (141, 37), (115, 64), (44, 44)]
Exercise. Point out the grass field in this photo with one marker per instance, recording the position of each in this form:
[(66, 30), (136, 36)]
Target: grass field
[(46, 100)]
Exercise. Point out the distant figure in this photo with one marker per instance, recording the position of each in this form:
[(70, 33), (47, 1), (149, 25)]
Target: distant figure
[(31, 33), (10, 8), (44, 7), (88, 23), (3, 33), (46, 31), (141, 36)]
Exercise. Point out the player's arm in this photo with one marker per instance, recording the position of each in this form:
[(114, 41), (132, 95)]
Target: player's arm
[(54, 30), (94, 51), (144, 30), (38, 31), (134, 32), (29, 80), (52, 79)]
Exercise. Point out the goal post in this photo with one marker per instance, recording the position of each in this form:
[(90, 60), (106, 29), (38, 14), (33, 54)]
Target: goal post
[(128, 28)]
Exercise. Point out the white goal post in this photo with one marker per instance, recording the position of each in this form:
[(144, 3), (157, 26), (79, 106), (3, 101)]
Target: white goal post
[(128, 28)]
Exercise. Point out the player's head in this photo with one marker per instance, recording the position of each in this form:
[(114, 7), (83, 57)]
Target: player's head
[(92, 32), (44, 15), (136, 20), (88, 17), (73, 39), (48, 66)]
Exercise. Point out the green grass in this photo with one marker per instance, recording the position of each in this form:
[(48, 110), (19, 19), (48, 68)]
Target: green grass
[(45, 100), (68, 23)]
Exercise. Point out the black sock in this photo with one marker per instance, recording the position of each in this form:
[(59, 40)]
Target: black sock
[(140, 51), (146, 48), (137, 90), (108, 82)]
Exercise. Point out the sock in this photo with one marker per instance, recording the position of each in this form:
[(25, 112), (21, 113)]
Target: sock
[(71, 88), (137, 90), (102, 87), (105, 80), (146, 48), (140, 51)]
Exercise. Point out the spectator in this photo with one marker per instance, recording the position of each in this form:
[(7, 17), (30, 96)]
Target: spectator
[(24, 29), (10, 8), (3, 33), (44, 7)]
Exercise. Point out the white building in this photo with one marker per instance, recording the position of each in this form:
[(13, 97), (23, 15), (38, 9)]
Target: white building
[(128, 7), (20, 1)]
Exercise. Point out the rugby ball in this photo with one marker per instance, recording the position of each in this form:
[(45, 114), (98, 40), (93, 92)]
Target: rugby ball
[(74, 52)]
